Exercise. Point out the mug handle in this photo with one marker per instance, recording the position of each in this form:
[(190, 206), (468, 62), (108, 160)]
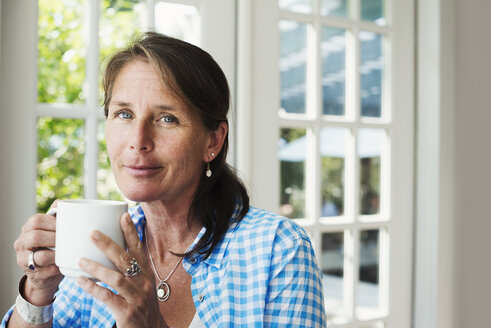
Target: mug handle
[(52, 212)]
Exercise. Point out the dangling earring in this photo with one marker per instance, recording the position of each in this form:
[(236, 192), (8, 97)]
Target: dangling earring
[(208, 169)]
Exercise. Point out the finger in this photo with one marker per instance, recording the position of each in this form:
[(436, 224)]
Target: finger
[(131, 236), (38, 238), (106, 296), (113, 278), (43, 273), (113, 251), (42, 257), (40, 222)]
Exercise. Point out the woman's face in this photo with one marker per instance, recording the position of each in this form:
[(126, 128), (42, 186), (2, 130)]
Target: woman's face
[(156, 144)]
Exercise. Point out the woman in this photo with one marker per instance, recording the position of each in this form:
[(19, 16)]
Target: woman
[(198, 255)]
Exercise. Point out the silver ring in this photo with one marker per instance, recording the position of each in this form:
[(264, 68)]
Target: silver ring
[(30, 261), (134, 269)]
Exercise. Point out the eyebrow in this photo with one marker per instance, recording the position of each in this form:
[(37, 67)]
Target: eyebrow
[(126, 104)]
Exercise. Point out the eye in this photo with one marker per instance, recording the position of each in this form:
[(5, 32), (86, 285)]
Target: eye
[(123, 115), (168, 118)]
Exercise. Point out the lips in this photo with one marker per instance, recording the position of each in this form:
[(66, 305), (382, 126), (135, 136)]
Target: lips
[(142, 170)]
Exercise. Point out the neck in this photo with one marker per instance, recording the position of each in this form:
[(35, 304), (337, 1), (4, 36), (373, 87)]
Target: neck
[(168, 229)]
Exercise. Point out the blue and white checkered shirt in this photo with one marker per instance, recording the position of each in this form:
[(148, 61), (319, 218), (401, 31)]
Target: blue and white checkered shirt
[(263, 273)]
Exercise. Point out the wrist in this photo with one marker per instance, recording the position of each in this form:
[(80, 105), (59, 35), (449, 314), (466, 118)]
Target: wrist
[(35, 295), (29, 312)]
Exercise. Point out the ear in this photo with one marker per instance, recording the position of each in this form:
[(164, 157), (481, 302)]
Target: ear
[(215, 142)]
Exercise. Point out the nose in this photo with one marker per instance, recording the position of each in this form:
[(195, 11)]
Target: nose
[(141, 137)]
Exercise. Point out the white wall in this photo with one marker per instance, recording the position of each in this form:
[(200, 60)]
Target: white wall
[(17, 130), (453, 244), (473, 162)]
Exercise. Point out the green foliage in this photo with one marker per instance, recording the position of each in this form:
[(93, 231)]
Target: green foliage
[(62, 51), (62, 55), (60, 160)]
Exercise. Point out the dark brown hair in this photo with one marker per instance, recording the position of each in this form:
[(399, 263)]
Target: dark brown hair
[(193, 76)]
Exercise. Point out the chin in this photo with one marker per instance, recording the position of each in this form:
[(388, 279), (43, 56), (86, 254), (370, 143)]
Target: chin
[(141, 194)]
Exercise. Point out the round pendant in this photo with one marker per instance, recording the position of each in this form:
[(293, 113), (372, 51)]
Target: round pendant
[(163, 291)]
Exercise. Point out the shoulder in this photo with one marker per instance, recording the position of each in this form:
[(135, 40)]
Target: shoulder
[(258, 220), (262, 226)]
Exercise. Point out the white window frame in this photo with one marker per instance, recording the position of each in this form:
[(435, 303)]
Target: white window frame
[(21, 110), (436, 20), (258, 89)]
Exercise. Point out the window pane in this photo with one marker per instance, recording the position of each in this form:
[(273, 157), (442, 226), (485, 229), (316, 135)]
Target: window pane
[(368, 284), (370, 146), (60, 160), (371, 70), (179, 21), (119, 22), (293, 66), (333, 52), (373, 10), (333, 276), (292, 154), (299, 6), (333, 153), (62, 51), (334, 7)]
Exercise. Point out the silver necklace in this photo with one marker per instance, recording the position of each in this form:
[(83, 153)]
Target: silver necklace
[(163, 288)]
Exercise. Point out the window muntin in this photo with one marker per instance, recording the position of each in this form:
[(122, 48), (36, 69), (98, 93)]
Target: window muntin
[(344, 110)]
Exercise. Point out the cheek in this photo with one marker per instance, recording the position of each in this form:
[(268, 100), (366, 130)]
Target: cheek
[(188, 149), (113, 141)]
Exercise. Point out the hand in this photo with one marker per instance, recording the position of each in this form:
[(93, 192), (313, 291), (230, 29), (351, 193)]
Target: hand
[(37, 234), (136, 304)]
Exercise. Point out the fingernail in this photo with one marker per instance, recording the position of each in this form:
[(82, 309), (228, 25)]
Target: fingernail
[(83, 262), (82, 280), (128, 218)]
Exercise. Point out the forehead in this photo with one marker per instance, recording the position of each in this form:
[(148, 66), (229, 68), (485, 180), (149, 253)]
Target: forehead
[(143, 74), (139, 79), (138, 71)]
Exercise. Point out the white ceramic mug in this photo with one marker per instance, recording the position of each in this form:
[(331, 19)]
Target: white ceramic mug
[(75, 221)]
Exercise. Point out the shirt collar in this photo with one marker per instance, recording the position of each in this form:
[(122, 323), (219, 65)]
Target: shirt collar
[(216, 256)]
